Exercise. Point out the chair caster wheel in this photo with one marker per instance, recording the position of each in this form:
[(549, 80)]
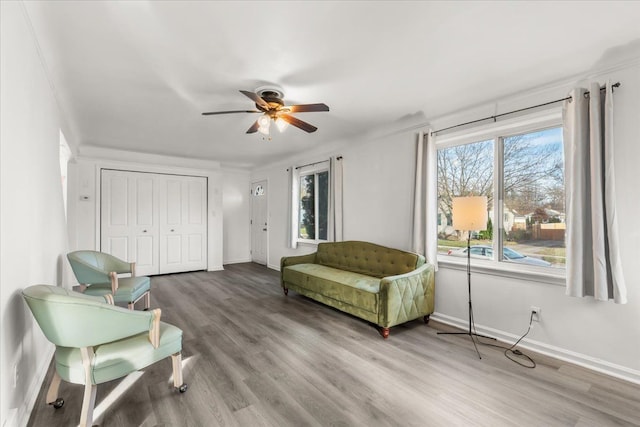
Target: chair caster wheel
[(182, 388), (58, 403)]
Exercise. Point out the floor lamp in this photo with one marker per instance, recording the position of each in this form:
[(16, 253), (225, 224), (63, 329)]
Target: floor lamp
[(469, 214)]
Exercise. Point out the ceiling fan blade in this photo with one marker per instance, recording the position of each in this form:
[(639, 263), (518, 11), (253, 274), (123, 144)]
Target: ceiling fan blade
[(213, 113), (255, 98), (298, 123), (253, 128), (304, 108)]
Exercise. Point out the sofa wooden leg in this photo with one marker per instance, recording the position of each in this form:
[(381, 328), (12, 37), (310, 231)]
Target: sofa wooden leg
[(286, 291), (384, 332), (426, 319)]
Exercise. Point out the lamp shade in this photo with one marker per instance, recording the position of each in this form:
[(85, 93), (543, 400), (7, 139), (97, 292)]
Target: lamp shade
[(470, 213)]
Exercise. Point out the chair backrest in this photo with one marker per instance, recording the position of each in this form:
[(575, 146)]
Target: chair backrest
[(72, 319), (94, 267)]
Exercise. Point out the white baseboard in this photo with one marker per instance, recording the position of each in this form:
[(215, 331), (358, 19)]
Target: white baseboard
[(579, 359), (237, 261), (216, 268), (274, 267), (24, 412)]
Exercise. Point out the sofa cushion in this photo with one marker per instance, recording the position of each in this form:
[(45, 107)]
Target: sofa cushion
[(367, 258), (352, 288)]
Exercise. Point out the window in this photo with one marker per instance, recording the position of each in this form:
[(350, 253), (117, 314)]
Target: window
[(313, 206), (521, 171), (64, 156)]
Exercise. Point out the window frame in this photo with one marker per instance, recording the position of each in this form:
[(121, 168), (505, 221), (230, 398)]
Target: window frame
[(314, 169), (498, 131)]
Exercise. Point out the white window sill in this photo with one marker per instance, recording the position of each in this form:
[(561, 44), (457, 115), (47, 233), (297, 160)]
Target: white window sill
[(311, 242), (551, 276)]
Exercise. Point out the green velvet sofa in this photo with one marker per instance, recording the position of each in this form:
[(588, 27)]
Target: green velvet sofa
[(382, 285)]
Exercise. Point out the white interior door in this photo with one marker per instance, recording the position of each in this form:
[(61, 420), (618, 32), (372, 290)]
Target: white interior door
[(129, 219), (259, 226), (183, 225)]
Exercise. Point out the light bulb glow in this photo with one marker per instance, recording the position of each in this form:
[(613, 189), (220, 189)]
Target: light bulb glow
[(264, 122), (281, 124)]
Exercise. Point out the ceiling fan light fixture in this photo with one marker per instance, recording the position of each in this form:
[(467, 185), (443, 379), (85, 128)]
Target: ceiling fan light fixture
[(264, 122), (281, 124)]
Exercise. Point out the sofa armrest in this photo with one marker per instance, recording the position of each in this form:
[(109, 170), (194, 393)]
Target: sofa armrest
[(406, 296), (298, 259), (293, 260)]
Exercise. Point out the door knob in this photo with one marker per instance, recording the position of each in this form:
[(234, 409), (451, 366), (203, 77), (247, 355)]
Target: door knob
[(172, 230), (264, 229), (144, 231)]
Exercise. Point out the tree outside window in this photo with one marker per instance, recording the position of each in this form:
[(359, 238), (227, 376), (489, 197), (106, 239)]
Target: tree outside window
[(528, 173), (314, 206)]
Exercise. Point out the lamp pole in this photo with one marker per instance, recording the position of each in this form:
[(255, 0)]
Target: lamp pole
[(468, 211)]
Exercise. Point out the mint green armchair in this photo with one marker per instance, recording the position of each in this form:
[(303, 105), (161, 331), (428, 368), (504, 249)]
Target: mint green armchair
[(98, 342), (98, 273)]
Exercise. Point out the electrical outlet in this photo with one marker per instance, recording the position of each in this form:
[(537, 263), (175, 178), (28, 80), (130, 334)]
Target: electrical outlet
[(536, 313)]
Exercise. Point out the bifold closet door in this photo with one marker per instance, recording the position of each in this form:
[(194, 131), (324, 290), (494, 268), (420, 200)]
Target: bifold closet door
[(156, 220), (129, 223), (183, 225)]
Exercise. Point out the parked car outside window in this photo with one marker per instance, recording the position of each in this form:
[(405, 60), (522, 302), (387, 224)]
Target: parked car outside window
[(509, 255)]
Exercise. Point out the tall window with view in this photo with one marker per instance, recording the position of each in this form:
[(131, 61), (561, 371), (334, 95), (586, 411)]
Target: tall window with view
[(314, 206), (526, 172), (464, 170), (533, 202)]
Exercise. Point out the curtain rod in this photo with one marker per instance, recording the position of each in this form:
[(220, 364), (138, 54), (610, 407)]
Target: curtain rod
[(516, 111), (316, 163)]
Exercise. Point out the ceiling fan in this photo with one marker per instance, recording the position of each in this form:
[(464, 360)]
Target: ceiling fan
[(269, 102)]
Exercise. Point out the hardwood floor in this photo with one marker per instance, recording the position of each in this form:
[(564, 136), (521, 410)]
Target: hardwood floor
[(253, 357)]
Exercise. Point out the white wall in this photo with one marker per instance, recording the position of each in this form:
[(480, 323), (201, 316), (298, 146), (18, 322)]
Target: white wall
[(378, 184), (236, 208), (32, 221)]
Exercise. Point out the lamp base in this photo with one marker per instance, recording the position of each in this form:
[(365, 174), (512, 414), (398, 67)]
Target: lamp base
[(471, 335)]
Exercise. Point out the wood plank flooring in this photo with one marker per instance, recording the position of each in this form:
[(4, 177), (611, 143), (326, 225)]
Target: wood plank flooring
[(253, 357)]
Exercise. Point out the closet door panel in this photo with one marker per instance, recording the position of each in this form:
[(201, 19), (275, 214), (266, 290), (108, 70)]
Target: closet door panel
[(183, 227)]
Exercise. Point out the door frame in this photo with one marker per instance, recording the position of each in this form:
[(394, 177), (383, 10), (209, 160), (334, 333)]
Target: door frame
[(266, 181)]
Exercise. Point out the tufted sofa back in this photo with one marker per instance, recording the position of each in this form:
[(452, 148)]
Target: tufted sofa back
[(367, 258)]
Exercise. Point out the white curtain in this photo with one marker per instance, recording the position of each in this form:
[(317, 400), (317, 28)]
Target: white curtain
[(335, 202), (593, 258), (424, 238), (294, 190)]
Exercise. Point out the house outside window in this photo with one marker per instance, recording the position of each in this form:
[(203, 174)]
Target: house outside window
[(519, 167), (313, 206)]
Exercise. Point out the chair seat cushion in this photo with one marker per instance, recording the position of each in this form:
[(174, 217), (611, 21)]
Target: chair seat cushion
[(119, 358), (129, 288)]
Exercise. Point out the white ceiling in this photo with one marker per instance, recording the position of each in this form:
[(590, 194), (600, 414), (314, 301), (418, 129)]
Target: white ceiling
[(136, 75)]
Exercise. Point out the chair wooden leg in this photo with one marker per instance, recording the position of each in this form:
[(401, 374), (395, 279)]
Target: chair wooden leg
[(52, 393), (176, 361), (88, 403), (131, 305), (147, 300), (384, 332), (89, 399)]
